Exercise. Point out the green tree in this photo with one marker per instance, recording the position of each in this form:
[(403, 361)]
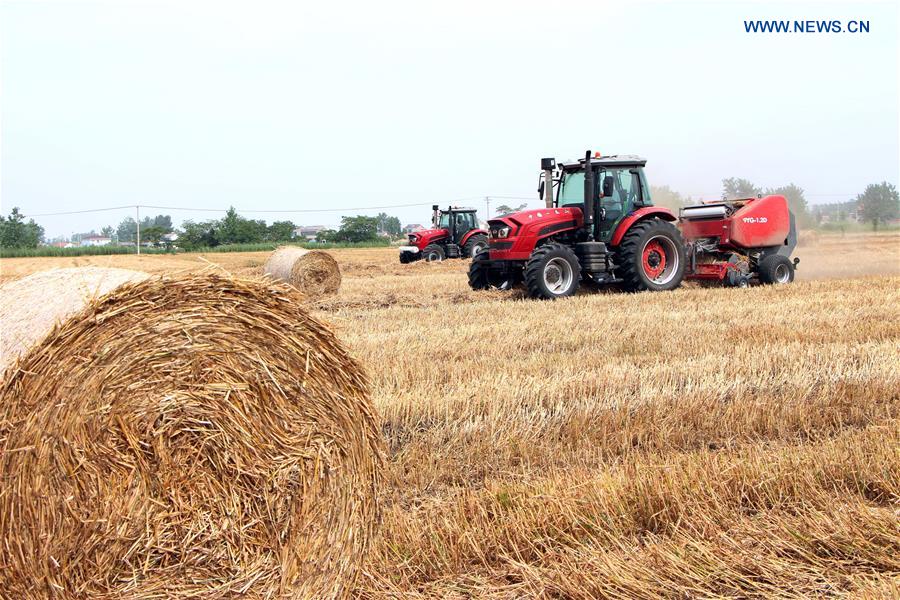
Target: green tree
[(735, 187), (357, 229), (796, 201), (281, 231), (198, 235), (666, 197), (235, 229), (879, 204), (127, 230), (504, 209), (152, 234), (389, 225), (107, 231), (326, 235), (164, 222), (16, 233)]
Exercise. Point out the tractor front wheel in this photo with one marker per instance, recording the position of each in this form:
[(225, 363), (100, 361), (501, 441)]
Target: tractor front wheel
[(552, 272), (651, 257), (481, 277), (433, 253)]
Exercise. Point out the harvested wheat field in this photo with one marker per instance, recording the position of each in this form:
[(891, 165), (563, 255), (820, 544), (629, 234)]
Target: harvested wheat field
[(705, 442)]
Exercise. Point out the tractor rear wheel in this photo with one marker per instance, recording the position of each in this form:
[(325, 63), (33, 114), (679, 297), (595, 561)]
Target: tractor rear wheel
[(776, 269), (481, 277), (552, 272), (651, 257), (475, 245), (433, 253)]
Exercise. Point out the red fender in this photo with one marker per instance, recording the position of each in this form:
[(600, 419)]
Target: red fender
[(472, 232), (648, 212)]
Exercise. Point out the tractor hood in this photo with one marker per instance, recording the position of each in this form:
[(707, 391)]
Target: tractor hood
[(423, 237), (514, 236), (541, 217)]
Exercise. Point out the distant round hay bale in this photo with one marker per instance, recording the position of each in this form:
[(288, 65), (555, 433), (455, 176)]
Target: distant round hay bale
[(194, 436), (314, 272)]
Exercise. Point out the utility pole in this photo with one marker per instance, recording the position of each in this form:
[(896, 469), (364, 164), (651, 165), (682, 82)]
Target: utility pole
[(487, 207), (137, 207)]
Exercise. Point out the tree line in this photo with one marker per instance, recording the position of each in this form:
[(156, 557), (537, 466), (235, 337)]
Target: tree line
[(878, 204), (17, 232)]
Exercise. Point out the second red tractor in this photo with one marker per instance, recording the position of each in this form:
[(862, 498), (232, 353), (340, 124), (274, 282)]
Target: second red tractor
[(454, 233)]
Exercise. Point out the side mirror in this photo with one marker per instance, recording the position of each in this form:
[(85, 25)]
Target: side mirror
[(541, 189), (607, 186)]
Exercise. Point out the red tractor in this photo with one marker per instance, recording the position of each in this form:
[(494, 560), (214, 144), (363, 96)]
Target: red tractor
[(454, 234), (602, 228)]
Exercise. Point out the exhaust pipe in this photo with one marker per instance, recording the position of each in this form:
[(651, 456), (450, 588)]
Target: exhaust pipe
[(588, 195), (548, 165), (434, 216)]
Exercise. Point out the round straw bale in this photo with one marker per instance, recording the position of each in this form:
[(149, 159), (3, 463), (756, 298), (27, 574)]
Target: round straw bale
[(197, 436), (313, 272)]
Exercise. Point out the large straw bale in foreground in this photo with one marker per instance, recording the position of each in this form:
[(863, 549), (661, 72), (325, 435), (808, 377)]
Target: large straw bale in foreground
[(314, 272), (196, 436)]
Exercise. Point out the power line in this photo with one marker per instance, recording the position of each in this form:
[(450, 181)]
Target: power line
[(332, 210), (76, 212), (222, 210)]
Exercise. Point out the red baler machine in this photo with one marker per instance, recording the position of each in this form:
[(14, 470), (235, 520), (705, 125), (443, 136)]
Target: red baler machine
[(731, 241)]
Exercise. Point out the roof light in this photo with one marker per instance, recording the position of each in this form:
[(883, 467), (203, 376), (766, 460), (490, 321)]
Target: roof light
[(598, 154)]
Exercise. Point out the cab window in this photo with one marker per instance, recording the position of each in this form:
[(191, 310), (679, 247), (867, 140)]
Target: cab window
[(571, 191)]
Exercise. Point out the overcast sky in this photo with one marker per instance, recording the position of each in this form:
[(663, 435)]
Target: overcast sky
[(289, 106)]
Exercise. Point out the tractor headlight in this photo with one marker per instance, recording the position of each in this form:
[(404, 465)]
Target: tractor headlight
[(412, 238), (503, 232)]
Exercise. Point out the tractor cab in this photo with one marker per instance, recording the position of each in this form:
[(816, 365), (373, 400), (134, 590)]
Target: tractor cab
[(457, 221), (618, 187)]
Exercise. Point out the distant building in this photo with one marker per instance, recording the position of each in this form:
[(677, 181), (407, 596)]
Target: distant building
[(95, 240), (169, 238), (309, 232), (62, 244), (412, 227)]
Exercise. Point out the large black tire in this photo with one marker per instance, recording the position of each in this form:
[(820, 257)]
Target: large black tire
[(776, 269), (651, 257), (483, 278), (553, 271), (433, 253), (475, 245), (404, 258)]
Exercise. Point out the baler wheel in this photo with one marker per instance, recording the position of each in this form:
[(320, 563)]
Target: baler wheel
[(651, 257), (553, 271), (776, 269)]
